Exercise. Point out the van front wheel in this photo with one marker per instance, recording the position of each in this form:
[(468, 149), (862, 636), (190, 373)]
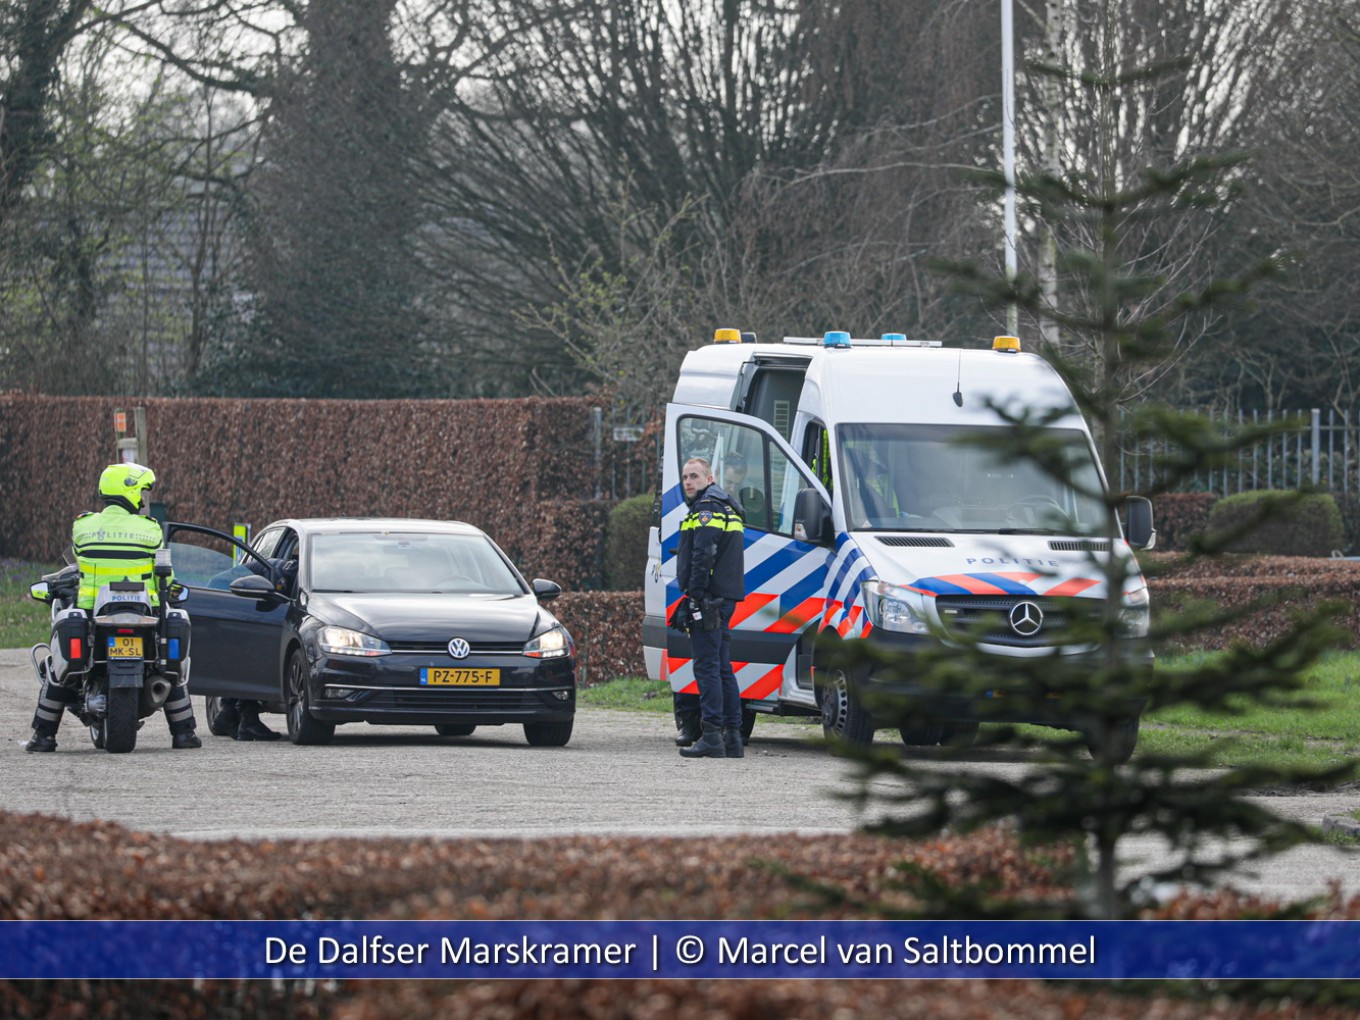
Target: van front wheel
[(843, 715)]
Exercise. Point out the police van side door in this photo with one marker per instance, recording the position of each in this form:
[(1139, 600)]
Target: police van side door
[(785, 578)]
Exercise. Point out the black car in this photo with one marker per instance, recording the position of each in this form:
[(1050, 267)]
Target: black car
[(391, 621)]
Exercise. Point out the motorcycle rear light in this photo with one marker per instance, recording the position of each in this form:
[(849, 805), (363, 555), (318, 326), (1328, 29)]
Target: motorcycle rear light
[(126, 630), (77, 651)]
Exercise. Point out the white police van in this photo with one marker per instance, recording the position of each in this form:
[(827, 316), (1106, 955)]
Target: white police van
[(867, 517)]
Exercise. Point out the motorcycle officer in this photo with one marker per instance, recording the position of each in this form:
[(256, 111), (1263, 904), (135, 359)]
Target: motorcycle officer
[(116, 543)]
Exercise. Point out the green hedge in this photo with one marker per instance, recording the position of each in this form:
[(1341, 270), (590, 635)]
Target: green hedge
[(625, 544), (1277, 523)]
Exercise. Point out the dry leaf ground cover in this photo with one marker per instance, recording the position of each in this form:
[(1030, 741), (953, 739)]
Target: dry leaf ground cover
[(51, 868)]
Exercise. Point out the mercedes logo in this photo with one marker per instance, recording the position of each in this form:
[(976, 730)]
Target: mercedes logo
[(1026, 619), (459, 648)]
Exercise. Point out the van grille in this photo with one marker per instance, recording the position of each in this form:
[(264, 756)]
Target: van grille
[(987, 618), (1080, 545), (925, 541)]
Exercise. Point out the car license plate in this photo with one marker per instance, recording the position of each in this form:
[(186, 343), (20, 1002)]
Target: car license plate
[(445, 677), (125, 647)]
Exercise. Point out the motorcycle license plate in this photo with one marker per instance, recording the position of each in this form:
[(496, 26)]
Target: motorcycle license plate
[(445, 677), (121, 647)]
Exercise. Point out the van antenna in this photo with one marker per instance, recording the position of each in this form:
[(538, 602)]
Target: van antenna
[(958, 384)]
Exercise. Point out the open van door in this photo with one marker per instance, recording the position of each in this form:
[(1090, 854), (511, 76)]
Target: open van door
[(787, 569)]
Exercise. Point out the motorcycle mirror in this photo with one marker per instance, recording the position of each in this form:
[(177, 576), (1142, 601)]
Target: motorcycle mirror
[(40, 591)]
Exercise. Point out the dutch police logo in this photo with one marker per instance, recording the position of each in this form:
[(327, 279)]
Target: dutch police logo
[(459, 648), (1026, 619), (705, 516)]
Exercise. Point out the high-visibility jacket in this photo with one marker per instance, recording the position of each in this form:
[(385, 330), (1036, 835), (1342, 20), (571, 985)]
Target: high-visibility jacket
[(114, 545), (709, 561)]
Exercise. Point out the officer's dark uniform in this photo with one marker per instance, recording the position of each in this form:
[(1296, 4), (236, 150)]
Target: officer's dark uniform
[(710, 570)]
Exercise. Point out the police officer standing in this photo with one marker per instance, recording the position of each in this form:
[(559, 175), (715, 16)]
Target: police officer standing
[(710, 570), (116, 544)]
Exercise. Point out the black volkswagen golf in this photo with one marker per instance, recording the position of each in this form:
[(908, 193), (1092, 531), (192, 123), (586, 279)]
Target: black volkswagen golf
[(390, 621)]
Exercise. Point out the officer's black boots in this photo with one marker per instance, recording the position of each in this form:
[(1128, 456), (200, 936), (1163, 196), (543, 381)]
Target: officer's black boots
[(733, 744), (709, 745), (41, 742), (227, 718), (185, 741), (252, 728), (686, 727)]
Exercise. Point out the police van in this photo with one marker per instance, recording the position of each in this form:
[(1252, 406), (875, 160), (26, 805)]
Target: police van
[(867, 516)]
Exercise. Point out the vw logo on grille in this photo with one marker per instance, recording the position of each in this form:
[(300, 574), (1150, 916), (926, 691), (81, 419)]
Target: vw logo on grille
[(1026, 619), (459, 648)]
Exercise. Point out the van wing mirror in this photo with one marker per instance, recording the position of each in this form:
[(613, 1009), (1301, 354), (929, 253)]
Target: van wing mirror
[(812, 518), (1138, 512)]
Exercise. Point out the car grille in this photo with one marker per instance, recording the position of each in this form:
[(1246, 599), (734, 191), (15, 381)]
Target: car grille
[(442, 647), (465, 700), (986, 618)]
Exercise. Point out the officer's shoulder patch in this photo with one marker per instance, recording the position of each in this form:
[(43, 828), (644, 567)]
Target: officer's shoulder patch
[(705, 516)]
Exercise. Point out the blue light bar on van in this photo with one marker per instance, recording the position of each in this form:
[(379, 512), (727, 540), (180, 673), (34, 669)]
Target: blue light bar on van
[(894, 338), (836, 338)]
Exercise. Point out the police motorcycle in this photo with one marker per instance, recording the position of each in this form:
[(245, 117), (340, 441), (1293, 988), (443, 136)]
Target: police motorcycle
[(125, 656)]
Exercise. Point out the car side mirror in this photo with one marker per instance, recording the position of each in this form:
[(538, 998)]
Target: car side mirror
[(253, 586), (812, 518), (545, 590), (1140, 533)]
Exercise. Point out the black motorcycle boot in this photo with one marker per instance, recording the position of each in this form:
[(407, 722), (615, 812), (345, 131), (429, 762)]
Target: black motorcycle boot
[(41, 742), (733, 744), (252, 727), (53, 700), (709, 745), (227, 719), (185, 741)]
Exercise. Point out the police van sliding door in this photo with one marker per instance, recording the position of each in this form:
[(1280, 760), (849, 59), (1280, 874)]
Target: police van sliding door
[(785, 578)]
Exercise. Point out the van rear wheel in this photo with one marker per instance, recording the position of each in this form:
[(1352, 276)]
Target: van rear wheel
[(844, 717)]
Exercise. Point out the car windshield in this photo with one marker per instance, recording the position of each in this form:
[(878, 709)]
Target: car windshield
[(948, 479), (410, 562)]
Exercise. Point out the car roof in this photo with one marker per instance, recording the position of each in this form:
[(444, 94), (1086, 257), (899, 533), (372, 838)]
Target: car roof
[(336, 525)]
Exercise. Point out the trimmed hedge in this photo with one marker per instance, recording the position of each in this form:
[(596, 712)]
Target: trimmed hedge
[(625, 544), (521, 469), (607, 628), (1179, 516), (1286, 523)]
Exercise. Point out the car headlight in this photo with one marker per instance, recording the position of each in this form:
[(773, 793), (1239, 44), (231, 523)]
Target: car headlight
[(343, 641), (893, 608), (551, 644), (1135, 613)]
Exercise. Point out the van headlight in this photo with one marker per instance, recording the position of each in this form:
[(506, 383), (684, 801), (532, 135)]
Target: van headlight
[(343, 641), (1135, 613), (894, 609)]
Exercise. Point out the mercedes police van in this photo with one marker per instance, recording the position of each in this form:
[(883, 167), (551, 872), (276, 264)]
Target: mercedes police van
[(866, 516)]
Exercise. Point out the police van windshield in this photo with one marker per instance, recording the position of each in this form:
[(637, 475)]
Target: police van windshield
[(948, 479)]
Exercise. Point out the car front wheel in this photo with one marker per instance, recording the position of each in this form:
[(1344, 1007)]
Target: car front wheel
[(302, 727), (548, 734)]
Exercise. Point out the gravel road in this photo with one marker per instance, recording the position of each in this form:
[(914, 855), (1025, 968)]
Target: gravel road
[(619, 775)]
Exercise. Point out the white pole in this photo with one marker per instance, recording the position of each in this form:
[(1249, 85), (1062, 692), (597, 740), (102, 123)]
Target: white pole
[(1008, 150)]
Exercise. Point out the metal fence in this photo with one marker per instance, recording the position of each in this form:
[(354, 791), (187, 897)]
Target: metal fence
[(1312, 449), (628, 445)]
